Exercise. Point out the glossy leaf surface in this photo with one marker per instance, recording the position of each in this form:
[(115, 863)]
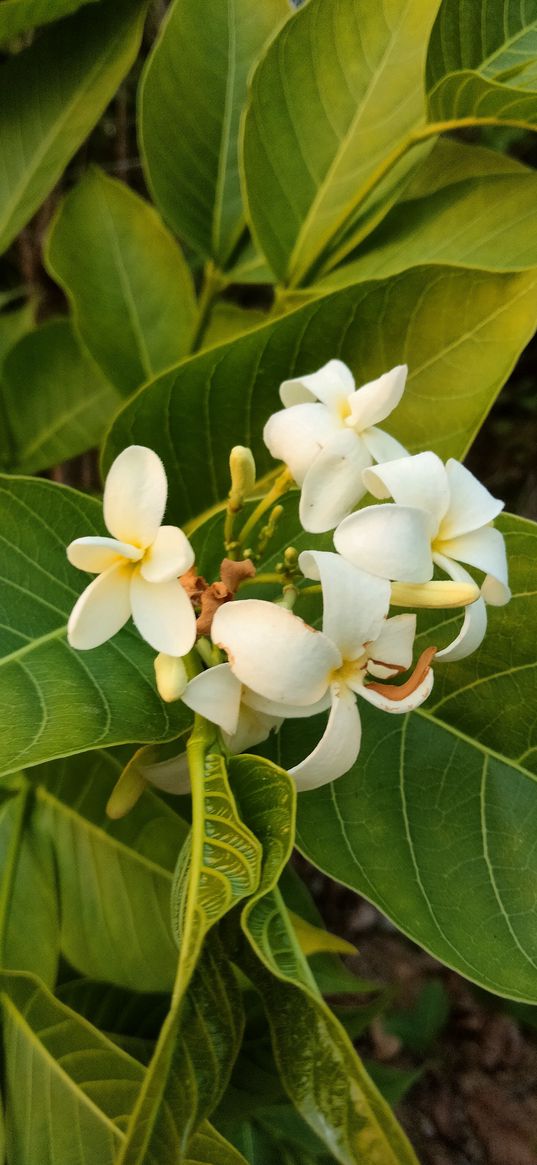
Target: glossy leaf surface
[(129, 285), (189, 118), (57, 400), (482, 62), (436, 822), (52, 94), (459, 331), (336, 91)]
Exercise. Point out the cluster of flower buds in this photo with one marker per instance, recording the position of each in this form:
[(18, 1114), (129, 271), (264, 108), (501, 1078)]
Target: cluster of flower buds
[(262, 663)]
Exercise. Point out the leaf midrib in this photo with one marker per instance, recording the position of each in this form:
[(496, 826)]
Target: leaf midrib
[(33, 1039), (344, 144), (84, 825), (56, 132)]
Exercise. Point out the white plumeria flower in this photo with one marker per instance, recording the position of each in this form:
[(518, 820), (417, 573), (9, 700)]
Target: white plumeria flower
[(138, 567), (441, 516), (218, 695), (327, 435), (289, 669)]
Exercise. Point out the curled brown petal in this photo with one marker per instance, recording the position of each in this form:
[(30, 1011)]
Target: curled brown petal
[(193, 583), (233, 573), (414, 680), (211, 599)]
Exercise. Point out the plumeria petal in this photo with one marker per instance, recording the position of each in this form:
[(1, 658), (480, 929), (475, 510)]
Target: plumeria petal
[(471, 505), (373, 402), (216, 695), (163, 614), (102, 609), (382, 446), (419, 481), (474, 624), (337, 749), (333, 484), (355, 603), (331, 384), (169, 555), (484, 549), (252, 728), (96, 554), (406, 703), (172, 776), (274, 652), (135, 496), (393, 648), (389, 541), (297, 435), (285, 711)]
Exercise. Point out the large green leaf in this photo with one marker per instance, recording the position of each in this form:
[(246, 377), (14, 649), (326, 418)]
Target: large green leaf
[(459, 331), (29, 906), (57, 401), (128, 283), (112, 878), (190, 116), (18, 16), (318, 1065), (52, 94), (320, 122), (481, 219), (482, 62), (14, 324), (200, 1038), (83, 1087), (56, 701), (436, 822)]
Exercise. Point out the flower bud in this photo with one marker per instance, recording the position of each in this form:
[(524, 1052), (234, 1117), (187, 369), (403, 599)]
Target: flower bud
[(171, 677), (242, 469), (434, 594)]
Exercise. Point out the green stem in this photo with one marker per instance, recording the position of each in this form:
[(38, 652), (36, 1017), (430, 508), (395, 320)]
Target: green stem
[(283, 482), (432, 129), (194, 524), (213, 283)]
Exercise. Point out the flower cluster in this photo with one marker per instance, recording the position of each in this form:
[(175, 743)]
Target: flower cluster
[(256, 662)]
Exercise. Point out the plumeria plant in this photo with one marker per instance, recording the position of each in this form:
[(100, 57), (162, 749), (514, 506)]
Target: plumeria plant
[(296, 617)]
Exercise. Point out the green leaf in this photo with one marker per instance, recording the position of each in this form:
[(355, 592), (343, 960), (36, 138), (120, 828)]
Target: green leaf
[(82, 1086), (18, 16), (55, 701), (227, 320), (482, 62), (201, 1036), (318, 1065), (189, 118), (460, 332), (209, 1147), (13, 325), (51, 95), (29, 906), (443, 842), (112, 878), (126, 278), (56, 399), (484, 220), (320, 123)]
